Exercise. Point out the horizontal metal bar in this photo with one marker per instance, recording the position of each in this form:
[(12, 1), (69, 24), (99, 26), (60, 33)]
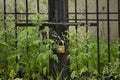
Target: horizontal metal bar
[(67, 13), (67, 19), (68, 24), (23, 13), (95, 19), (92, 13), (31, 20), (22, 20), (51, 24), (24, 24)]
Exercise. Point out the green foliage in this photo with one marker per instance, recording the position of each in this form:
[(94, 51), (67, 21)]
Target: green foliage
[(30, 58), (33, 53), (83, 54), (31, 62)]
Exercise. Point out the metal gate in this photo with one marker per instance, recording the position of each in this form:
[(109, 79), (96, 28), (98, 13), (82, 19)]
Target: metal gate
[(98, 16)]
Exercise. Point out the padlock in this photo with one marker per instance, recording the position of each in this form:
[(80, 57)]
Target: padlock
[(61, 48)]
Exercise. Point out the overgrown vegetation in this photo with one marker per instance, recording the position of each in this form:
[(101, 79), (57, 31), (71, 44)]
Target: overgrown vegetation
[(84, 56), (29, 60), (32, 54)]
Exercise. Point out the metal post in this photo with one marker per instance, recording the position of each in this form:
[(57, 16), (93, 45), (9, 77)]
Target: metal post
[(58, 14), (5, 61), (27, 24), (108, 32), (16, 28), (119, 26), (5, 20), (98, 42), (86, 12), (76, 28)]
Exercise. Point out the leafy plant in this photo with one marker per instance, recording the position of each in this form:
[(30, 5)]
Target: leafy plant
[(83, 54)]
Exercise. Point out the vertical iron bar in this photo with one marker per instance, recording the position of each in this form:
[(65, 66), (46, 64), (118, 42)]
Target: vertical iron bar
[(76, 28), (5, 28), (119, 27), (15, 23), (16, 28), (5, 20), (60, 7), (27, 13), (108, 32), (98, 44), (38, 11), (38, 6), (75, 11), (64, 13), (56, 11), (27, 23), (86, 11), (51, 17)]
